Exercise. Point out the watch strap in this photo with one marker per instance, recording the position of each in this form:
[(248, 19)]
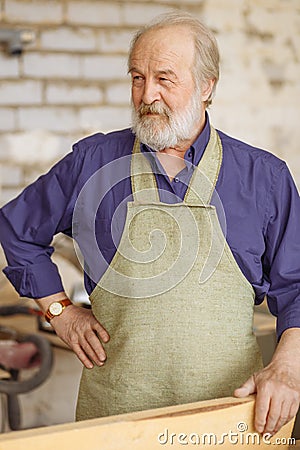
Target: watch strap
[(65, 302)]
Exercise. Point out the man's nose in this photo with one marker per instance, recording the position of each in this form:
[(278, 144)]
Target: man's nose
[(151, 92)]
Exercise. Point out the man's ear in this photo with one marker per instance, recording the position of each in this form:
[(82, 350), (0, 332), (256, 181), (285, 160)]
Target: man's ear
[(207, 88)]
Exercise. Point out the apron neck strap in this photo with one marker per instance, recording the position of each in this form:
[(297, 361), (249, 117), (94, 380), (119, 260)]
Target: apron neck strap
[(201, 186), (205, 176), (143, 182)]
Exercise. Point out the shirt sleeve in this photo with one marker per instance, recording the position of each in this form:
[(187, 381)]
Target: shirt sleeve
[(29, 222), (282, 255)]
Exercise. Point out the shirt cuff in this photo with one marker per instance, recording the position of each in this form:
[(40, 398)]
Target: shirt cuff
[(289, 317), (35, 280)]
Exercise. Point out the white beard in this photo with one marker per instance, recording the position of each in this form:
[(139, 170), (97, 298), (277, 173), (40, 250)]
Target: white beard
[(167, 129)]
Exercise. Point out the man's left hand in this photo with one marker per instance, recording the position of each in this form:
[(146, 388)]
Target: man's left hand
[(277, 386)]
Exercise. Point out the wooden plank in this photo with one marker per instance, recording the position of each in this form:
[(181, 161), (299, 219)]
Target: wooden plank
[(224, 423)]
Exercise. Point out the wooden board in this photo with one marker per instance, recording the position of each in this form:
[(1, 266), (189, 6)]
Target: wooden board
[(222, 423)]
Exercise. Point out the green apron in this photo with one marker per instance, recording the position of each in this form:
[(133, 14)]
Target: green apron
[(174, 301)]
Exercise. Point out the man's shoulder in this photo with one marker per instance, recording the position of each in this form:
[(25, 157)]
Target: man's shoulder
[(116, 142), (246, 154)]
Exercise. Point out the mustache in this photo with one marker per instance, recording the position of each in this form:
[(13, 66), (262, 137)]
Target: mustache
[(154, 108)]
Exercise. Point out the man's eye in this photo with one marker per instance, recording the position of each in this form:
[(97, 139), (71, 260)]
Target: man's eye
[(164, 80), (137, 80)]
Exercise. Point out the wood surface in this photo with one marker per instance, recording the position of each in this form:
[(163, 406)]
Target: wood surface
[(225, 423)]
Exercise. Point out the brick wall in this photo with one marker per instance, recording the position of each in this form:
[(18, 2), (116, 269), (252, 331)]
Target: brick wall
[(72, 80)]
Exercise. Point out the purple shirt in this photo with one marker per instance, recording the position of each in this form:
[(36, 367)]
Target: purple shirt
[(259, 197)]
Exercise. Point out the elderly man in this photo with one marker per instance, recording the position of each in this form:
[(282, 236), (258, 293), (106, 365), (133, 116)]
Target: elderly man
[(182, 228)]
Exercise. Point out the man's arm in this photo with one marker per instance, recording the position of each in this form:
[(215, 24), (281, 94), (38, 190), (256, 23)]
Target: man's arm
[(79, 329), (27, 226), (277, 385)]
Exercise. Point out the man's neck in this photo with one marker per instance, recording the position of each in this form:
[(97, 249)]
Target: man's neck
[(172, 158), (172, 163)]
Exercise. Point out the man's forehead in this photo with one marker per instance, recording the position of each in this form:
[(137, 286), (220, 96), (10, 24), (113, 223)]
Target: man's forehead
[(164, 47)]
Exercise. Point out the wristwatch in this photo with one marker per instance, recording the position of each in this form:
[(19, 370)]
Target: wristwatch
[(56, 308)]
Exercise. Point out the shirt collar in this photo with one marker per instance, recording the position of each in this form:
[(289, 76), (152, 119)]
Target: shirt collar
[(194, 154)]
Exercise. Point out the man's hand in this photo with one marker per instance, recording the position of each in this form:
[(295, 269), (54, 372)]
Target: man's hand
[(82, 332), (79, 329), (277, 386)]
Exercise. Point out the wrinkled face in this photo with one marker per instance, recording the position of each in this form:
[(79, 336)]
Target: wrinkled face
[(167, 106)]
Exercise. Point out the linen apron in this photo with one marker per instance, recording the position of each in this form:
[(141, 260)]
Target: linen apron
[(177, 307)]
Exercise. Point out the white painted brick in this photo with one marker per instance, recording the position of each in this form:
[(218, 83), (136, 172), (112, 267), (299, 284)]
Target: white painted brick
[(34, 11), (104, 67), (67, 94), (140, 14), (180, 3), (118, 94), (20, 93), (10, 175), (81, 39), (94, 13), (3, 149), (217, 16), (51, 65), (272, 20), (33, 148), (290, 91), (104, 118), (116, 41), (7, 119), (9, 66), (61, 119)]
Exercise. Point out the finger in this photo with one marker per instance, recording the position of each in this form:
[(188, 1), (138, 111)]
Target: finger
[(294, 409), (274, 413), (262, 405), (101, 332), (82, 356), (90, 353), (96, 346), (249, 387), (284, 416)]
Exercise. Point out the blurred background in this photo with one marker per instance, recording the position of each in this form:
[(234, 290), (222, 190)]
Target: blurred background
[(63, 76)]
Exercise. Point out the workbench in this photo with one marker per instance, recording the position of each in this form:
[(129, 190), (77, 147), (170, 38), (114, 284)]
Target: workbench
[(222, 423)]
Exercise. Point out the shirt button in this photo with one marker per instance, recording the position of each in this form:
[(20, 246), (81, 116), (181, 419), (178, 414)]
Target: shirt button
[(190, 154), (176, 179)]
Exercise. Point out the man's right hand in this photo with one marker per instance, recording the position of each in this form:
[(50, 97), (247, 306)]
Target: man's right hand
[(79, 329), (82, 332)]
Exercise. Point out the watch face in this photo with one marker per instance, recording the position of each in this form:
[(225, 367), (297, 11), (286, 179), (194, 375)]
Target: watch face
[(55, 308)]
